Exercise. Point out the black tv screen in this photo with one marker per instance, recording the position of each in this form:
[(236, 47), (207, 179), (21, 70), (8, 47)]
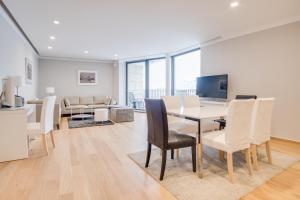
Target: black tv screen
[(212, 86)]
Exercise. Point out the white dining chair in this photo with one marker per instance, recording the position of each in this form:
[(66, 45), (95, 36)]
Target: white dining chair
[(191, 101), (176, 123), (46, 124), (261, 127), (236, 136)]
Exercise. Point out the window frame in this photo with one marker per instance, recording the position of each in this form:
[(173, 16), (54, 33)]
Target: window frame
[(173, 67), (146, 61)]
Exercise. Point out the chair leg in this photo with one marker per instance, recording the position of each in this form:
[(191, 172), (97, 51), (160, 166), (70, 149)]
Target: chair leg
[(52, 139), (230, 167), (177, 153), (254, 156), (163, 164), (148, 155), (194, 157), (45, 142), (172, 153), (248, 160), (221, 155), (268, 149)]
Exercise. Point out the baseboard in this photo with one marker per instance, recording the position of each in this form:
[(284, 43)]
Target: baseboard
[(284, 139)]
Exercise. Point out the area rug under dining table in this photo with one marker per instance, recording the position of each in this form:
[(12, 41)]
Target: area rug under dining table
[(180, 181)]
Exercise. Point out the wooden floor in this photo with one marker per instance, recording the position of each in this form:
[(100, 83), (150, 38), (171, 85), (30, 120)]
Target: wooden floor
[(92, 163)]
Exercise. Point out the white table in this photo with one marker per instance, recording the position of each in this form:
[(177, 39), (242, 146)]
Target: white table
[(197, 114)]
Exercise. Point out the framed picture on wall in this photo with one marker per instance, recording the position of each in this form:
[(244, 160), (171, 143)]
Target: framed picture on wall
[(28, 71), (86, 77)]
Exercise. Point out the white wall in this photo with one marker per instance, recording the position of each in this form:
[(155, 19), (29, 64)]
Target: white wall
[(13, 51), (62, 74), (267, 64)]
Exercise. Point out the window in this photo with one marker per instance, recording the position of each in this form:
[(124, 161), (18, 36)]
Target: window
[(136, 85), (145, 79), (185, 70), (157, 78)]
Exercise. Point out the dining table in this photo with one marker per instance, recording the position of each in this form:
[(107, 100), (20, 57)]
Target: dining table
[(198, 114)]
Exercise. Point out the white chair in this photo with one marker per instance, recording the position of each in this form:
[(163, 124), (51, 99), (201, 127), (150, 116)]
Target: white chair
[(175, 123), (236, 136), (191, 101), (261, 127), (46, 124)]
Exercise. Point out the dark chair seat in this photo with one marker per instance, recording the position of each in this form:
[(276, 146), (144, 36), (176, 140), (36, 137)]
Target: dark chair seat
[(177, 140)]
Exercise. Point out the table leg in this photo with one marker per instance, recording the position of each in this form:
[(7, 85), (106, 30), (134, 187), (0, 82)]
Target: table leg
[(199, 151)]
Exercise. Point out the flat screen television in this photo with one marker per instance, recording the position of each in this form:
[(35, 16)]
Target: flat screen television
[(212, 86)]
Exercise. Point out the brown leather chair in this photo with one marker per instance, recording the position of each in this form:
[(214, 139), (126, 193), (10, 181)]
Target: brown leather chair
[(222, 122), (160, 136)]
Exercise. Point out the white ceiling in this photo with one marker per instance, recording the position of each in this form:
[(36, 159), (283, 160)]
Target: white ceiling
[(133, 28)]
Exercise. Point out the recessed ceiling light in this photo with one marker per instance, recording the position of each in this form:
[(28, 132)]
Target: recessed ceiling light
[(49, 47), (56, 22), (52, 37), (234, 4), (86, 51), (116, 55)]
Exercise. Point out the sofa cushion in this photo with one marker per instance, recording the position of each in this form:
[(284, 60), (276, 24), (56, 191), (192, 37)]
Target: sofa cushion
[(67, 102), (76, 107), (107, 100), (97, 106), (73, 100), (99, 99), (86, 100)]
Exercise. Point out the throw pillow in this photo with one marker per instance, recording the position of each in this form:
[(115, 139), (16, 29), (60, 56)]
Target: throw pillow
[(67, 102)]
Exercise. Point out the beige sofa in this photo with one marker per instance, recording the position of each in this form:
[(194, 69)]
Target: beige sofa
[(87, 104)]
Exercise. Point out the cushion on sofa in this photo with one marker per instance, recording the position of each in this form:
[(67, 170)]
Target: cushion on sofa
[(86, 100), (97, 106), (107, 100), (71, 107), (73, 100), (67, 102), (99, 99)]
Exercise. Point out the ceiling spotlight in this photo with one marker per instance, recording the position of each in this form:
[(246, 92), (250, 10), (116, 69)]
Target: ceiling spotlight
[(234, 4), (52, 37), (56, 22), (49, 47), (86, 51), (116, 55)]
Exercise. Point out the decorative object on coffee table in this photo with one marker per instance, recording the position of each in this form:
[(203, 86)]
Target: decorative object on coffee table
[(87, 123), (122, 114)]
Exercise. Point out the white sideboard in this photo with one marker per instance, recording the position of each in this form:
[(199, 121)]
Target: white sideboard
[(13, 133)]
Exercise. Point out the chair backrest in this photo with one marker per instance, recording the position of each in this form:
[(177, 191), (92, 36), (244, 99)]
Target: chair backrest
[(171, 102), (191, 101), (245, 97), (238, 123), (47, 114), (157, 122), (261, 120)]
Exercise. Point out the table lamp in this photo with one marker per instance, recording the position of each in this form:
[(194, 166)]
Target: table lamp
[(18, 82)]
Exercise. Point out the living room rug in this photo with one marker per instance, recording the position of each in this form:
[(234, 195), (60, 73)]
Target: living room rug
[(81, 123), (180, 180)]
